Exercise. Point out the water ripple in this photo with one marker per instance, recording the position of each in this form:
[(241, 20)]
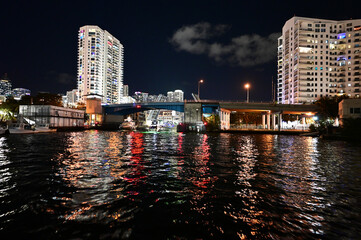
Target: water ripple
[(106, 185)]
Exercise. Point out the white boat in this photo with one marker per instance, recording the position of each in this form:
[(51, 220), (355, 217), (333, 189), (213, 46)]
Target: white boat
[(128, 124), (30, 129)]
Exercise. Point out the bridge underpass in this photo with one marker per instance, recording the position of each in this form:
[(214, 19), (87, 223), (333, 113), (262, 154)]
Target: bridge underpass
[(114, 114), (272, 114), (194, 112)]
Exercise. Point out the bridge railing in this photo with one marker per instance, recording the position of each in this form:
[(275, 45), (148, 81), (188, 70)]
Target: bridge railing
[(225, 101)]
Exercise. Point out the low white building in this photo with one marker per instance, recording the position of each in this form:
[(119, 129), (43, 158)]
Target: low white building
[(349, 108), (52, 116)]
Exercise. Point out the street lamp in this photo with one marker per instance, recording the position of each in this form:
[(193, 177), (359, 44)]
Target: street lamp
[(247, 87), (199, 83)]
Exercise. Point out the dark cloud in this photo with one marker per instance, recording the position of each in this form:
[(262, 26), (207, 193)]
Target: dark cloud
[(62, 78), (244, 50)]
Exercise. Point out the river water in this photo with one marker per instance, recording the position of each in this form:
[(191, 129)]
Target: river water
[(129, 185)]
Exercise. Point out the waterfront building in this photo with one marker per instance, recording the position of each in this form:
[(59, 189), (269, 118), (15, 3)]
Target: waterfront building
[(52, 116), (170, 117), (18, 93), (5, 86), (317, 58), (100, 65), (279, 84), (349, 108)]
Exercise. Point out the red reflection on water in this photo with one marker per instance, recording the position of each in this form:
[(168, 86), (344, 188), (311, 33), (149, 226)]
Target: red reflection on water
[(137, 149), (202, 178), (180, 142)]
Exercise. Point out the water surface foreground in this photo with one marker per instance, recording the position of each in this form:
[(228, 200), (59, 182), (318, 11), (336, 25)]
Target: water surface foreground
[(129, 185)]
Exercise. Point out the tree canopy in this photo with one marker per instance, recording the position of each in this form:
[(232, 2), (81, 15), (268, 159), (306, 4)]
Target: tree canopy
[(328, 106), (12, 106)]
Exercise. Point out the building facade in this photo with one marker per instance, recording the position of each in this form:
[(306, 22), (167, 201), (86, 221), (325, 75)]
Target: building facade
[(18, 93), (170, 96), (349, 108), (100, 65), (71, 98), (317, 58), (52, 116), (176, 96), (5, 86)]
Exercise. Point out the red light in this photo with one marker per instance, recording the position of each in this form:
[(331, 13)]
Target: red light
[(138, 106), (205, 123)]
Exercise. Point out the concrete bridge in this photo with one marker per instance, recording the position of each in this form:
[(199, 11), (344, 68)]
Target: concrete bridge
[(194, 111)]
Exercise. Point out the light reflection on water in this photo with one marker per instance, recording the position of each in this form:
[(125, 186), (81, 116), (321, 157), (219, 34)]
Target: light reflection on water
[(97, 184)]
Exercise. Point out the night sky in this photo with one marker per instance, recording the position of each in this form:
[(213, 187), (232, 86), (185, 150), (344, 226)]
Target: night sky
[(168, 44)]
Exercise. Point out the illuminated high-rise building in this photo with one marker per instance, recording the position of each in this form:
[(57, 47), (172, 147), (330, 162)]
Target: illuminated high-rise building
[(5, 85), (178, 96), (125, 90), (18, 93), (318, 58), (100, 65)]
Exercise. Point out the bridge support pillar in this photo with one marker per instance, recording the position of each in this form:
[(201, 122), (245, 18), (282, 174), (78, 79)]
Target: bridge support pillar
[(279, 121), (225, 116), (264, 121), (193, 113), (268, 121), (274, 121)]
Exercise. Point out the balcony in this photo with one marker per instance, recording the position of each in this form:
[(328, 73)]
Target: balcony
[(303, 69), (341, 42), (303, 30), (302, 57), (305, 64), (307, 91), (303, 36)]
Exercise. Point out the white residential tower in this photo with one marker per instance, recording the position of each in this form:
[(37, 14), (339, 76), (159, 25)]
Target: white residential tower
[(318, 57), (100, 65)]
